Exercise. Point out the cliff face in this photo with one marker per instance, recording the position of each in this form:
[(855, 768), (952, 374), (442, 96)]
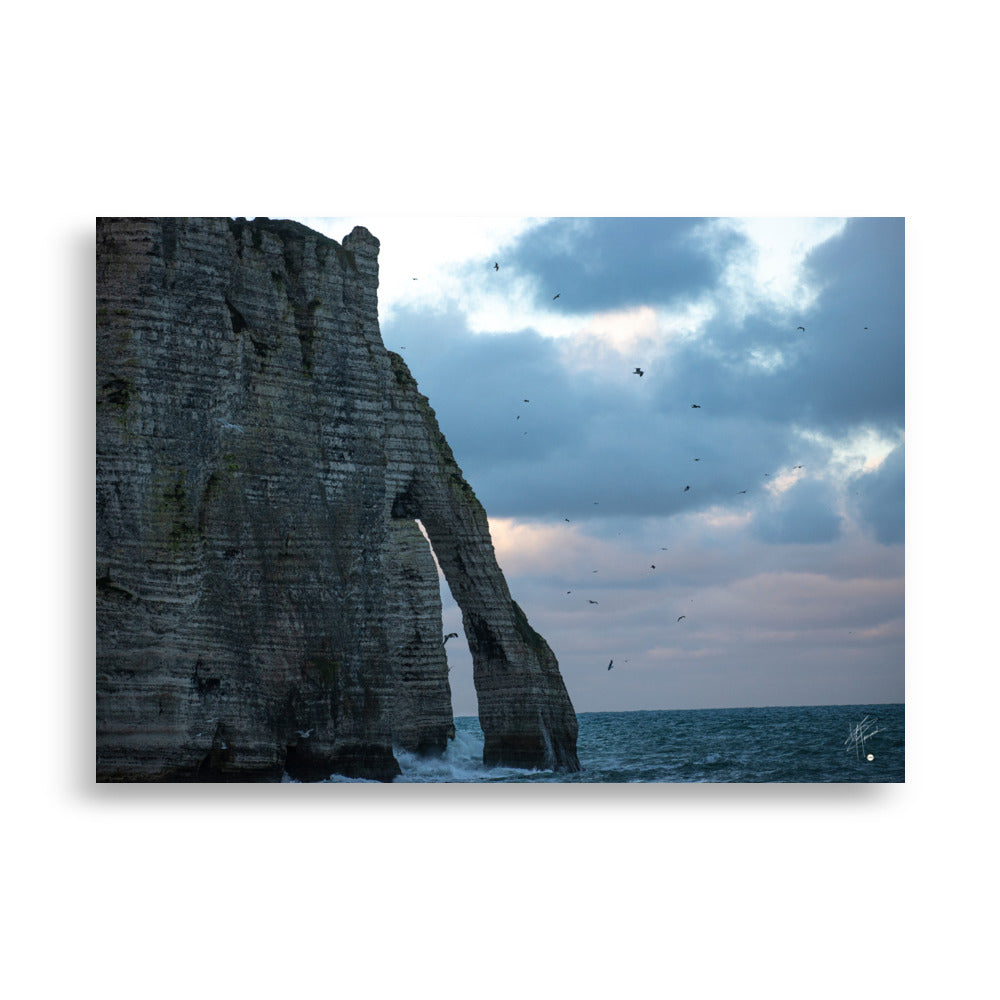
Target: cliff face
[(265, 600)]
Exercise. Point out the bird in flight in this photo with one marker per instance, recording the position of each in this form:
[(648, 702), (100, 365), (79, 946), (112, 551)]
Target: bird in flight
[(496, 266), (802, 328), (741, 491), (451, 635), (682, 616), (639, 372), (686, 488), (696, 406), (589, 601), (556, 296), (611, 664)]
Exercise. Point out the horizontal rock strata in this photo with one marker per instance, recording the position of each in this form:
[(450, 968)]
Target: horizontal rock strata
[(266, 603)]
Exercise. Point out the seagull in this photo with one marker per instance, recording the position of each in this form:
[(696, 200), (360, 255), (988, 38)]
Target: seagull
[(589, 601), (527, 401), (686, 488), (682, 616), (611, 664), (695, 406), (802, 328), (451, 635), (697, 459), (639, 372), (304, 733), (496, 266), (652, 565), (741, 491), (556, 296)]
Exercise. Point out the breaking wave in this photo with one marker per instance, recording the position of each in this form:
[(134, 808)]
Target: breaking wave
[(462, 761)]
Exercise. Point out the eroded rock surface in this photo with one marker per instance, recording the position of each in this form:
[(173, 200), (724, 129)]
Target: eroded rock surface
[(422, 718), (265, 601)]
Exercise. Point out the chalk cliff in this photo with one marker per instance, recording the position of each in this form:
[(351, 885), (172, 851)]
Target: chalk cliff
[(266, 602)]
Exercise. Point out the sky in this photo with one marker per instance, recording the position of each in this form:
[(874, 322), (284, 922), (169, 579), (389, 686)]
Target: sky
[(727, 527)]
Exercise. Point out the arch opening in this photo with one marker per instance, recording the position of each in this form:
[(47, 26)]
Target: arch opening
[(422, 715)]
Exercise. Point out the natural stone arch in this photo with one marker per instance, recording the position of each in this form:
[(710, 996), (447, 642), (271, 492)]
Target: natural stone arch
[(524, 708)]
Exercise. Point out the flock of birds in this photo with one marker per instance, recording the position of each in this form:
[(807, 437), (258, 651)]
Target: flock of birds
[(694, 406)]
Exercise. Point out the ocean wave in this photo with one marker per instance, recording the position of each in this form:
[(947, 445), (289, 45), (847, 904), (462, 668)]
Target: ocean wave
[(461, 761)]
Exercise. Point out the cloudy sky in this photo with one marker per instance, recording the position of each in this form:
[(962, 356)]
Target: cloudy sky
[(750, 480)]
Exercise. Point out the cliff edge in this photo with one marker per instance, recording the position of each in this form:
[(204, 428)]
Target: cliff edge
[(266, 602)]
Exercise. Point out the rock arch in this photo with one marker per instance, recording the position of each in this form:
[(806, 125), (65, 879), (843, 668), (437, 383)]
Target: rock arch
[(524, 709)]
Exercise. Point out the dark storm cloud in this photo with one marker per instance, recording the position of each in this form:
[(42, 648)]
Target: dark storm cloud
[(856, 372), (583, 437), (477, 384), (599, 434), (834, 376), (878, 498), (605, 264), (803, 514)]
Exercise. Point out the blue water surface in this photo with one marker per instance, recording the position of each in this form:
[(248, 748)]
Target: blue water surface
[(828, 743)]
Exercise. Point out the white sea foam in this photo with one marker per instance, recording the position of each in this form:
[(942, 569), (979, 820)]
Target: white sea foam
[(286, 778), (461, 761)]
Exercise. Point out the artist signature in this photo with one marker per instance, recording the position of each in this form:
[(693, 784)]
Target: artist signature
[(857, 734)]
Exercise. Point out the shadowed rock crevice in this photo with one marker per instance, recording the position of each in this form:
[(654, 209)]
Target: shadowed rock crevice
[(266, 603)]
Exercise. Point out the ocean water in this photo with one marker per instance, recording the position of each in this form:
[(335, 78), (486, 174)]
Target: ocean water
[(829, 743)]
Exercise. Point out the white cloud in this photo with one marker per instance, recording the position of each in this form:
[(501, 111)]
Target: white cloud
[(769, 271), (434, 250), (862, 451)]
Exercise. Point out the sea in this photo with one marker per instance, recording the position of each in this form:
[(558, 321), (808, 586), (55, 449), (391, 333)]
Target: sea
[(825, 743)]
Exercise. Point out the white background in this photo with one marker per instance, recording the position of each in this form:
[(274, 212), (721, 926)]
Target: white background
[(550, 109)]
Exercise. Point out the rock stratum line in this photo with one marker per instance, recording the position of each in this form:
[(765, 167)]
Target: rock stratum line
[(266, 602)]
